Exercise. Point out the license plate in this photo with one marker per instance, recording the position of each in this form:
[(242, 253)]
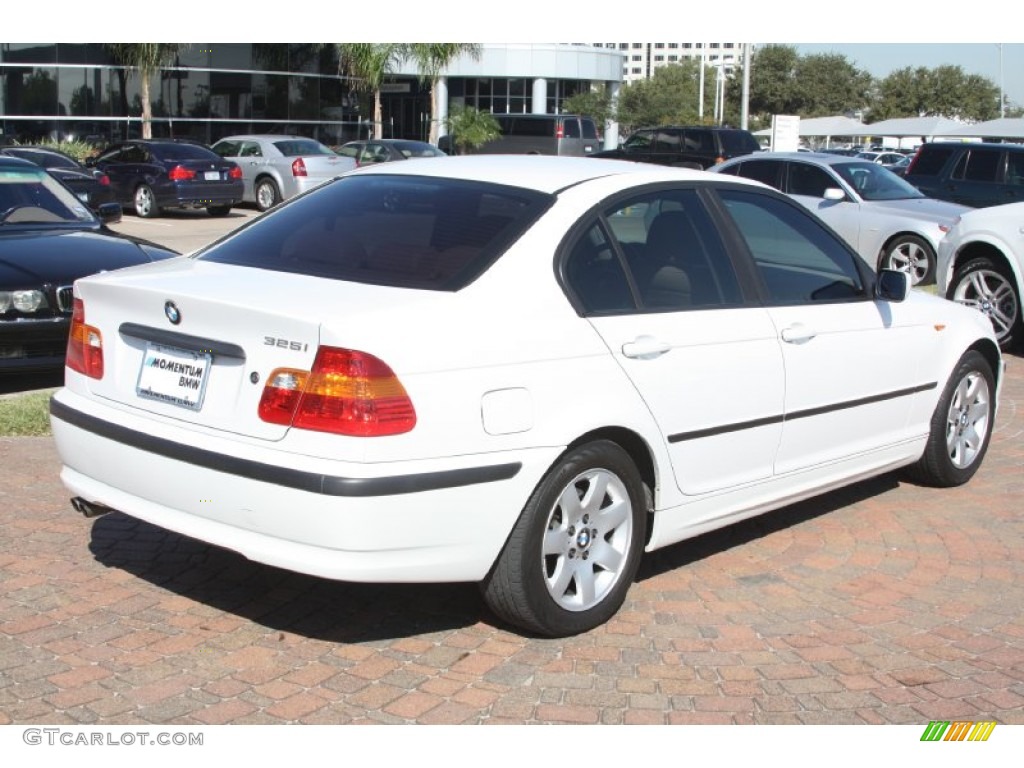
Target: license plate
[(212, 175), (175, 376)]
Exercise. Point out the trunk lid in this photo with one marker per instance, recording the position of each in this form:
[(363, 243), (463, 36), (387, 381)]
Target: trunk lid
[(234, 327)]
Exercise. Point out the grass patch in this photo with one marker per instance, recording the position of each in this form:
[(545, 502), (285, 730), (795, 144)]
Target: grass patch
[(24, 415)]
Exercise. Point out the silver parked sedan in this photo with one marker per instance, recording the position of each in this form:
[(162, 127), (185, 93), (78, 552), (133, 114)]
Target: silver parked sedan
[(890, 223), (277, 167)]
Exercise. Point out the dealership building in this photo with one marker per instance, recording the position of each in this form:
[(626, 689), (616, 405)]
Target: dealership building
[(77, 90)]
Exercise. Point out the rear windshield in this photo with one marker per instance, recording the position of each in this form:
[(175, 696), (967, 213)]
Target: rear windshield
[(396, 230), (297, 147), (184, 152)]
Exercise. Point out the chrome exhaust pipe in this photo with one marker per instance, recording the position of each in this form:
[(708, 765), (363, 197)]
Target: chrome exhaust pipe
[(89, 508)]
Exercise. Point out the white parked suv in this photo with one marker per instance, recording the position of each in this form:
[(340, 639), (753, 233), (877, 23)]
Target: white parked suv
[(981, 264)]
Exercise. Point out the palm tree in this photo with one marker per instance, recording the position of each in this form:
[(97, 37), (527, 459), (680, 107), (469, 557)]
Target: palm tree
[(431, 60), (146, 59), (371, 64)]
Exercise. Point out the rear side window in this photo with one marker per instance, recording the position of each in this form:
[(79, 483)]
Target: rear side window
[(931, 160), (978, 165), (403, 231), (528, 126), (738, 142)]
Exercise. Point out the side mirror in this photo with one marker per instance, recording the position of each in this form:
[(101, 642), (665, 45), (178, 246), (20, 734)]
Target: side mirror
[(109, 213), (892, 285), (835, 194)]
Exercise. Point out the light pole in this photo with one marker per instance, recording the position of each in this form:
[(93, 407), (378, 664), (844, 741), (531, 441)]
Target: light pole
[(1002, 98)]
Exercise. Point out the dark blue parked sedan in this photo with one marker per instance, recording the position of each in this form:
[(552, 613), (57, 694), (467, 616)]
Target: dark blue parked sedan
[(150, 175)]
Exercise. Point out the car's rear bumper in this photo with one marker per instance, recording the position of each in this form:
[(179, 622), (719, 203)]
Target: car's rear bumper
[(200, 194), (411, 521)]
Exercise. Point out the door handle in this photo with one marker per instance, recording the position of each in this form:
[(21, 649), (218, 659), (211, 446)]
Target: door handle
[(798, 334), (645, 348)]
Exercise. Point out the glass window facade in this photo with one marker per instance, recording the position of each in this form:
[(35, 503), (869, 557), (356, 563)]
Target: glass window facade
[(79, 91), (62, 91)]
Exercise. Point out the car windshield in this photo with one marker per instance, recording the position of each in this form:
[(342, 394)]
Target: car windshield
[(874, 182), (32, 196), (395, 230), (302, 147)]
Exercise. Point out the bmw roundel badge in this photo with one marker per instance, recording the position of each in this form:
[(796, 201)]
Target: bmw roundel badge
[(172, 312)]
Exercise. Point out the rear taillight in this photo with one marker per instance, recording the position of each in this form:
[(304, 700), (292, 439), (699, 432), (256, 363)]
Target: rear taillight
[(181, 173), (347, 392), (235, 173), (913, 162), (299, 167), (85, 345), (104, 180), (559, 131)]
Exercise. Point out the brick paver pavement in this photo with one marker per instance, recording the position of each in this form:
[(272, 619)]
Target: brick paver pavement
[(883, 603)]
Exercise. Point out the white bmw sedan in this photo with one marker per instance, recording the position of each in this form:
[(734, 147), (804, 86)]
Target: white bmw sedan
[(519, 371)]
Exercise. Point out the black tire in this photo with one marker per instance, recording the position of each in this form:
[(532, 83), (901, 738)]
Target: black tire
[(961, 426), (566, 568), (267, 194), (912, 254), (218, 211), (144, 202), (989, 287)]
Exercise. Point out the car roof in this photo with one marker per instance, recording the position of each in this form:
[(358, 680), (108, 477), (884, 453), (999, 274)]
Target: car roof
[(265, 137), (820, 158), (542, 173), (9, 161)]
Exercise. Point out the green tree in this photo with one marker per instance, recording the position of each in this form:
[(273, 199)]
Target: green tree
[(773, 88), (945, 91), (596, 102), (432, 59), (371, 65), (668, 96), (828, 84), (146, 59), (471, 128)]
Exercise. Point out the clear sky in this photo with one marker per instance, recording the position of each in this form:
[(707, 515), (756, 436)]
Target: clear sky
[(974, 58)]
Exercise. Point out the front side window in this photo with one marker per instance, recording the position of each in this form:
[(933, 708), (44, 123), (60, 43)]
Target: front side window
[(799, 261), (809, 180), (979, 165)]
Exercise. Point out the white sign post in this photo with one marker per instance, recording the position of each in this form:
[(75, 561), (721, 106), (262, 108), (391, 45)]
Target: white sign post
[(785, 133)]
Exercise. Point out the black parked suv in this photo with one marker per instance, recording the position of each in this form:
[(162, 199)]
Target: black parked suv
[(684, 146), (969, 173)]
